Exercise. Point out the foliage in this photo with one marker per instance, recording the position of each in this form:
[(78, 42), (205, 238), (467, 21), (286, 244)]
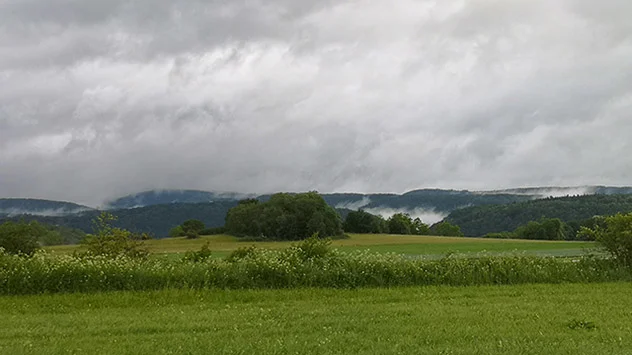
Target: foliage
[(193, 226), (113, 242), (311, 248), (21, 237), (309, 264), (364, 222), (446, 229), (575, 211), (615, 237), (176, 232), (61, 235), (241, 253), (284, 217), (545, 229), (501, 235), (198, 256), (400, 223), (213, 231)]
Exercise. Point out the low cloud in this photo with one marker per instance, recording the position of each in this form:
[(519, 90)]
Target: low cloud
[(15, 212), (109, 97), (427, 216), (354, 205)]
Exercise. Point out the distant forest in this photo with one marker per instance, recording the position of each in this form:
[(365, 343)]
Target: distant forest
[(509, 212), (480, 220)]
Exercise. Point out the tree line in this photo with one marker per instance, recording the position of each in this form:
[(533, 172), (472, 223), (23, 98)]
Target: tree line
[(575, 211)]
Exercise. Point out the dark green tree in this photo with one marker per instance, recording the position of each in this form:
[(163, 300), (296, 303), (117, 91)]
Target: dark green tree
[(446, 229), (284, 217), (192, 228), (420, 228), (400, 223), (364, 222), (21, 237), (615, 235)]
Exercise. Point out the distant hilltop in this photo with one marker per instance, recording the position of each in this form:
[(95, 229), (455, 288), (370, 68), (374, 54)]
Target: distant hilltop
[(438, 201), (157, 211)]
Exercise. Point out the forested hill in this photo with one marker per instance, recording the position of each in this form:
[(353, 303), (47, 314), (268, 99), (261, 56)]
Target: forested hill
[(480, 220), (437, 200), (156, 220), (17, 206), (161, 197)]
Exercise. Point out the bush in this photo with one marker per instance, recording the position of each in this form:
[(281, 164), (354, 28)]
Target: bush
[(192, 226), (615, 237), (304, 265), (113, 242), (446, 229), (176, 232), (241, 253), (501, 235), (191, 234), (198, 256), (21, 237), (312, 248)]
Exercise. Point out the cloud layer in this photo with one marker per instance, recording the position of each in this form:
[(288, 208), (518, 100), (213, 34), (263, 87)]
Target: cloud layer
[(102, 98)]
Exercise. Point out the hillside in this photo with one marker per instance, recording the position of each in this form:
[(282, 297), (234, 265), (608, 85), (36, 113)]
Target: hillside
[(160, 197), (477, 213), (156, 220), (480, 220), (19, 206)]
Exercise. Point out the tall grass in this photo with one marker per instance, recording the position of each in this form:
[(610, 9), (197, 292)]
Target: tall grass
[(303, 265)]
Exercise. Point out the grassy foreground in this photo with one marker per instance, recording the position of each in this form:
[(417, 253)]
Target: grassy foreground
[(524, 319), (402, 244)]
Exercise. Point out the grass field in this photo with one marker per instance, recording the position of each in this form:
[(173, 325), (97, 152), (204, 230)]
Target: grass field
[(401, 244), (527, 319)]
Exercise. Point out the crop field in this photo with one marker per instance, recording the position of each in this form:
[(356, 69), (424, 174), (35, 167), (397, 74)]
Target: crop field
[(524, 319), (400, 244)]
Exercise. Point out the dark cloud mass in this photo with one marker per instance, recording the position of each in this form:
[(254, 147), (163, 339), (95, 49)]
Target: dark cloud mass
[(102, 98)]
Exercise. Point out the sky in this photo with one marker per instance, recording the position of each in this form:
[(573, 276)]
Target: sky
[(101, 98)]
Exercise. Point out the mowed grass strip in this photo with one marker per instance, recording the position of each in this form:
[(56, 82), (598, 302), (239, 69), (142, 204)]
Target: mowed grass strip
[(526, 319), (384, 243)]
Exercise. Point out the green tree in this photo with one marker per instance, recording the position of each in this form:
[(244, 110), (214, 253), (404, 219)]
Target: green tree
[(615, 236), (400, 223), (446, 229), (191, 228), (176, 231), (110, 241), (420, 228), (545, 229), (364, 222), (21, 237), (284, 217)]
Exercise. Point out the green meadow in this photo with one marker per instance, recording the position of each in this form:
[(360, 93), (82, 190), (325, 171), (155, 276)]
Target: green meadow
[(517, 319), (411, 245)]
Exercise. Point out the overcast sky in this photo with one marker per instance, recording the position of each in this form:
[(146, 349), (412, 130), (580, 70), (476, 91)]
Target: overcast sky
[(100, 98)]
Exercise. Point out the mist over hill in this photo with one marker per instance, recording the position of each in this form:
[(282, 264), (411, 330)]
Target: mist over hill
[(10, 207), (159, 197), (157, 211)]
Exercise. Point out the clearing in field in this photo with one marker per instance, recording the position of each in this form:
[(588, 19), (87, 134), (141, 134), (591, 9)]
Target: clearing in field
[(429, 246), (527, 319)]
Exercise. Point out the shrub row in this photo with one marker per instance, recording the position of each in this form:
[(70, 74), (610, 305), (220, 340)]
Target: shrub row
[(304, 265)]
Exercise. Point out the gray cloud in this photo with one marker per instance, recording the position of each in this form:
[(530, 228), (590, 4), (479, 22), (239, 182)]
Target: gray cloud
[(103, 98)]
